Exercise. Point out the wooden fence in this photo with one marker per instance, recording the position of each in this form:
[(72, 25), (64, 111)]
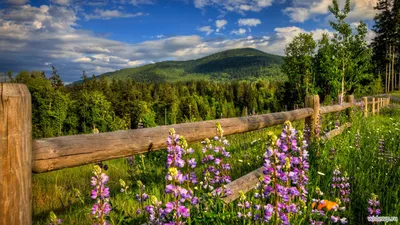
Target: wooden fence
[(20, 155)]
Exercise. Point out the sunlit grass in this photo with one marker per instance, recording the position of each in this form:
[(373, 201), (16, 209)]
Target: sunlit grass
[(368, 174)]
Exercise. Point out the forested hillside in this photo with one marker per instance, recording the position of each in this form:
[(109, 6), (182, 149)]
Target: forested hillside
[(118, 105), (241, 64)]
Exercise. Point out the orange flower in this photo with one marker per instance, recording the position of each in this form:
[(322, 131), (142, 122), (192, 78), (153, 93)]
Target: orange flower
[(328, 205)]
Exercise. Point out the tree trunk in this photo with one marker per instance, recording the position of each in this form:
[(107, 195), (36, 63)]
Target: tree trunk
[(393, 73), (390, 67), (306, 82), (342, 94), (386, 78)]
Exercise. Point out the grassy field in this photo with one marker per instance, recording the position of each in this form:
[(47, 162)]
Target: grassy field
[(67, 192)]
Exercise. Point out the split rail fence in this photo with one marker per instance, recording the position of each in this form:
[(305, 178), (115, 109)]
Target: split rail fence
[(20, 155)]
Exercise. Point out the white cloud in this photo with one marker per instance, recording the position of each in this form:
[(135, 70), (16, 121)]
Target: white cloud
[(370, 36), (239, 6), (160, 36), (303, 10), (206, 29), (239, 31), (110, 14), (220, 24), (33, 38), (249, 22)]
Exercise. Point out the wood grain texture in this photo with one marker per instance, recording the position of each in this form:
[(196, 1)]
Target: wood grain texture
[(335, 108), (244, 183), (373, 106), (378, 104), (15, 155), (365, 111), (349, 111), (333, 133), (69, 151), (313, 102)]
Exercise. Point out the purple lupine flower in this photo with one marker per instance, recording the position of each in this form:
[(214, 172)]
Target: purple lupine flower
[(335, 219), (341, 185), (284, 175), (101, 194), (216, 170), (373, 208), (192, 163), (178, 161)]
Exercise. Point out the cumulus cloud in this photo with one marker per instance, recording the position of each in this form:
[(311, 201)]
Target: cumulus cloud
[(110, 14), (239, 6), (302, 10), (249, 22), (34, 38), (220, 24), (206, 29), (239, 31)]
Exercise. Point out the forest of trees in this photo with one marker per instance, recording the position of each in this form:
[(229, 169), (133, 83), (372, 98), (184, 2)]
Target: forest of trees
[(330, 67), (118, 105), (346, 63), (386, 44)]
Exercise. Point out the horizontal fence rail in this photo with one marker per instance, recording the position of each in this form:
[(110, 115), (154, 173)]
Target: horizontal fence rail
[(20, 156), (335, 108), (69, 151)]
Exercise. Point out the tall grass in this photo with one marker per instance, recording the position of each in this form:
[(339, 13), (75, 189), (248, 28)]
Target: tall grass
[(368, 171)]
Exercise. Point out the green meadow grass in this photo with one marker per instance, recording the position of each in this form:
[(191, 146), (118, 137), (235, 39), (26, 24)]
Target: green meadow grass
[(54, 191)]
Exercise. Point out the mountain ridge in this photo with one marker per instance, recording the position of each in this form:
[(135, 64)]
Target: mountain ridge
[(239, 64)]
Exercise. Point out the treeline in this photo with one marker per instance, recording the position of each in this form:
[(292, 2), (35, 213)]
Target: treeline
[(335, 65), (108, 106), (386, 44), (331, 67)]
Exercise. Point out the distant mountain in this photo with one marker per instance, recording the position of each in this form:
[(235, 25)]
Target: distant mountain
[(242, 64)]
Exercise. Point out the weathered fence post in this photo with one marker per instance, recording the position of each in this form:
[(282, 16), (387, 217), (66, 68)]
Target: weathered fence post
[(15, 155), (365, 100), (350, 99), (312, 102), (373, 106), (378, 106)]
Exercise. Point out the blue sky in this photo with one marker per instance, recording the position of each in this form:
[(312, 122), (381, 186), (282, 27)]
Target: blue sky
[(105, 35)]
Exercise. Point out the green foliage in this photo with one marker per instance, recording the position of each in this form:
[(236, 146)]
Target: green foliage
[(240, 64), (120, 105), (298, 66), (368, 172), (342, 64)]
